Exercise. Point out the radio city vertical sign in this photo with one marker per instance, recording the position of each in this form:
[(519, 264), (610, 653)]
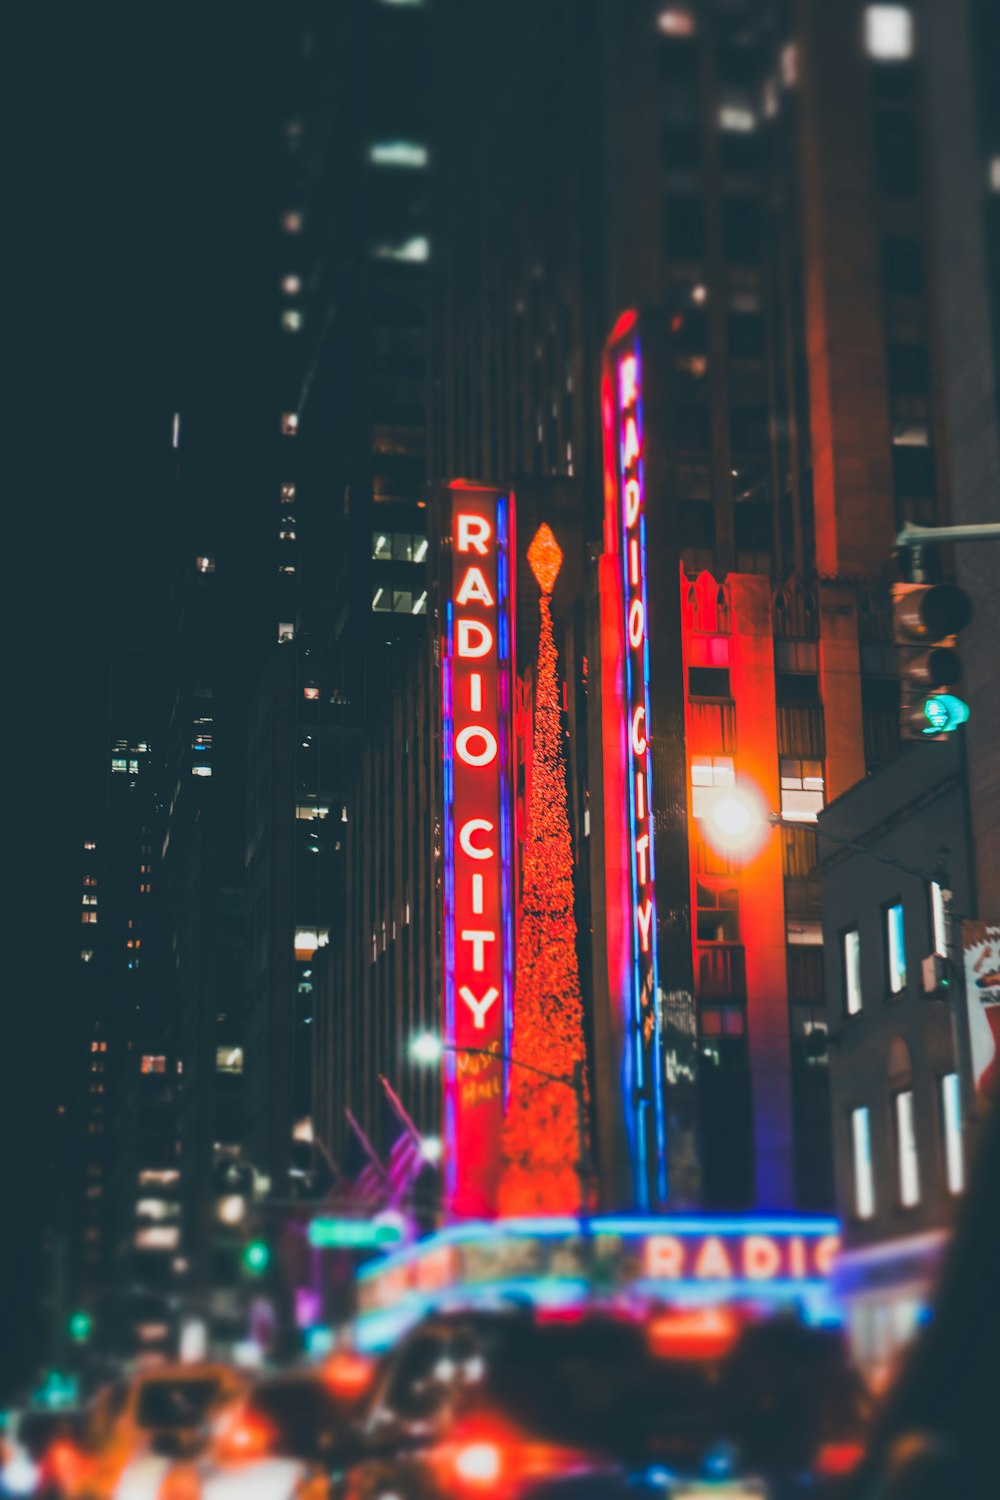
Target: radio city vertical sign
[(478, 863), (625, 547)]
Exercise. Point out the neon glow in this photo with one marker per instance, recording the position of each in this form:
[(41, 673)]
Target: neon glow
[(478, 927), (625, 537)]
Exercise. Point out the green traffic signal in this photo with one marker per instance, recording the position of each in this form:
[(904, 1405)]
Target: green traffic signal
[(257, 1257), (944, 712), (80, 1326)]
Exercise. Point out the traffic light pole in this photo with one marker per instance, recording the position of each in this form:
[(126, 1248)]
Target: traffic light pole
[(918, 536)]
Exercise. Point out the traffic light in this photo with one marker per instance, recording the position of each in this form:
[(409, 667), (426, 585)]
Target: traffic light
[(80, 1326), (926, 619), (257, 1257)]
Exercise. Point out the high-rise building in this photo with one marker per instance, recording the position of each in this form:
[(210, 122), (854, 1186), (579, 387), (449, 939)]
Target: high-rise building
[(687, 176)]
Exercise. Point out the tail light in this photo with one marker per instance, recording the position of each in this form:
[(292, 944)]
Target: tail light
[(348, 1375), (244, 1436), (478, 1463), (65, 1463), (834, 1460)]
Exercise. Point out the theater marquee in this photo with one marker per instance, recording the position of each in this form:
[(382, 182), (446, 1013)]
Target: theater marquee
[(478, 861)]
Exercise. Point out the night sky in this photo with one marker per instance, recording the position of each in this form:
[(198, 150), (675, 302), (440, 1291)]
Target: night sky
[(136, 158)]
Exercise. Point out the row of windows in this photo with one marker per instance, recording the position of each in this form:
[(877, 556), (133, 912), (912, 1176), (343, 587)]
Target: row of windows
[(894, 949), (908, 1186), (802, 785), (398, 547), (399, 602)]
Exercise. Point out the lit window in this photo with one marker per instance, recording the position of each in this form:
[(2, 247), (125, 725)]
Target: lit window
[(153, 1063), (895, 948), (995, 174), (738, 118), (119, 763), (286, 632), (789, 65), (676, 20), (718, 915), (286, 536), (88, 900), (291, 320), (398, 154), (805, 932), (312, 693), (286, 568), (888, 32), (89, 916), (707, 773), (801, 789), (951, 1125), (852, 971), (291, 221), (308, 939), (90, 844), (420, 604), (381, 546), (289, 423), (382, 601), (417, 248), (288, 494), (86, 955), (175, 432), (158, 1237), (308, 811), (229, 1059), (939, 921), (201, 770), (205, 564), (864, 1179), (291, 285), (906, 1150)]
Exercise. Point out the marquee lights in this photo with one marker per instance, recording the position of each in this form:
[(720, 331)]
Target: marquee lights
[(478, 925), (625, 522)]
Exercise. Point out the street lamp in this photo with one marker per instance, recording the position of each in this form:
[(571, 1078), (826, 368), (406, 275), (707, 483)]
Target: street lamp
[(736, 821), (427, 1048)]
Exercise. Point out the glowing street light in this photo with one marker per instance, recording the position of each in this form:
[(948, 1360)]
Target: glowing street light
[(426, 1048), (736, 821), (431, 1149)]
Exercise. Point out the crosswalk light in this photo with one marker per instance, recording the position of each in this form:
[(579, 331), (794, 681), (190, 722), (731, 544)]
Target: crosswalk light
[(927, 619), (257, 1257)]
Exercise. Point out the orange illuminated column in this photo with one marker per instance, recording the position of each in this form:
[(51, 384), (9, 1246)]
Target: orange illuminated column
[(478, 903)]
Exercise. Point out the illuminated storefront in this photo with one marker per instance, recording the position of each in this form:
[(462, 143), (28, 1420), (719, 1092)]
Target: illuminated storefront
[(633, 1263), (478, 859)]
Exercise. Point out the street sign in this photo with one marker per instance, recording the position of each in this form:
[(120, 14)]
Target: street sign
[(354, 1234)]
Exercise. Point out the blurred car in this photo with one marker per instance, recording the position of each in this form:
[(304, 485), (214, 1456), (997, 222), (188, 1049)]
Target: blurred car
[(515, 1406), (138, 1430), (281, 1439), (31, 1447)]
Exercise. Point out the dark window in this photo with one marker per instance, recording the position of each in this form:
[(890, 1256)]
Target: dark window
[(796, 687), (748, 429), (689, 331), (692, 426), (746, 335), (909, 369), (753, 528), (902, 266), (741, 230), (685, 227), (708, 682), (678, 61), (913, 471), (697, 524), (896, 158), (682, 145), (739, 151)]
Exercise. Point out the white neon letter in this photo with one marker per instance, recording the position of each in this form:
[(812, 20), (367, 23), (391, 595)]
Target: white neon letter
[(641, 846), (477, 895), (626, 382), (639, 735), (644, 916), (633, 562), (479, 1007), (631, 441), (474, 588), (473, 534), (468, 828), (476, 692), (478, 937), (632, 498), (474, 638), (640, 795), (636, 623), (483, 757)]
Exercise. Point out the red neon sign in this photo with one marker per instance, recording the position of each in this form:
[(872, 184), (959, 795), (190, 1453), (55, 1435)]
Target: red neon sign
[(625, 540), (478, 912)]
